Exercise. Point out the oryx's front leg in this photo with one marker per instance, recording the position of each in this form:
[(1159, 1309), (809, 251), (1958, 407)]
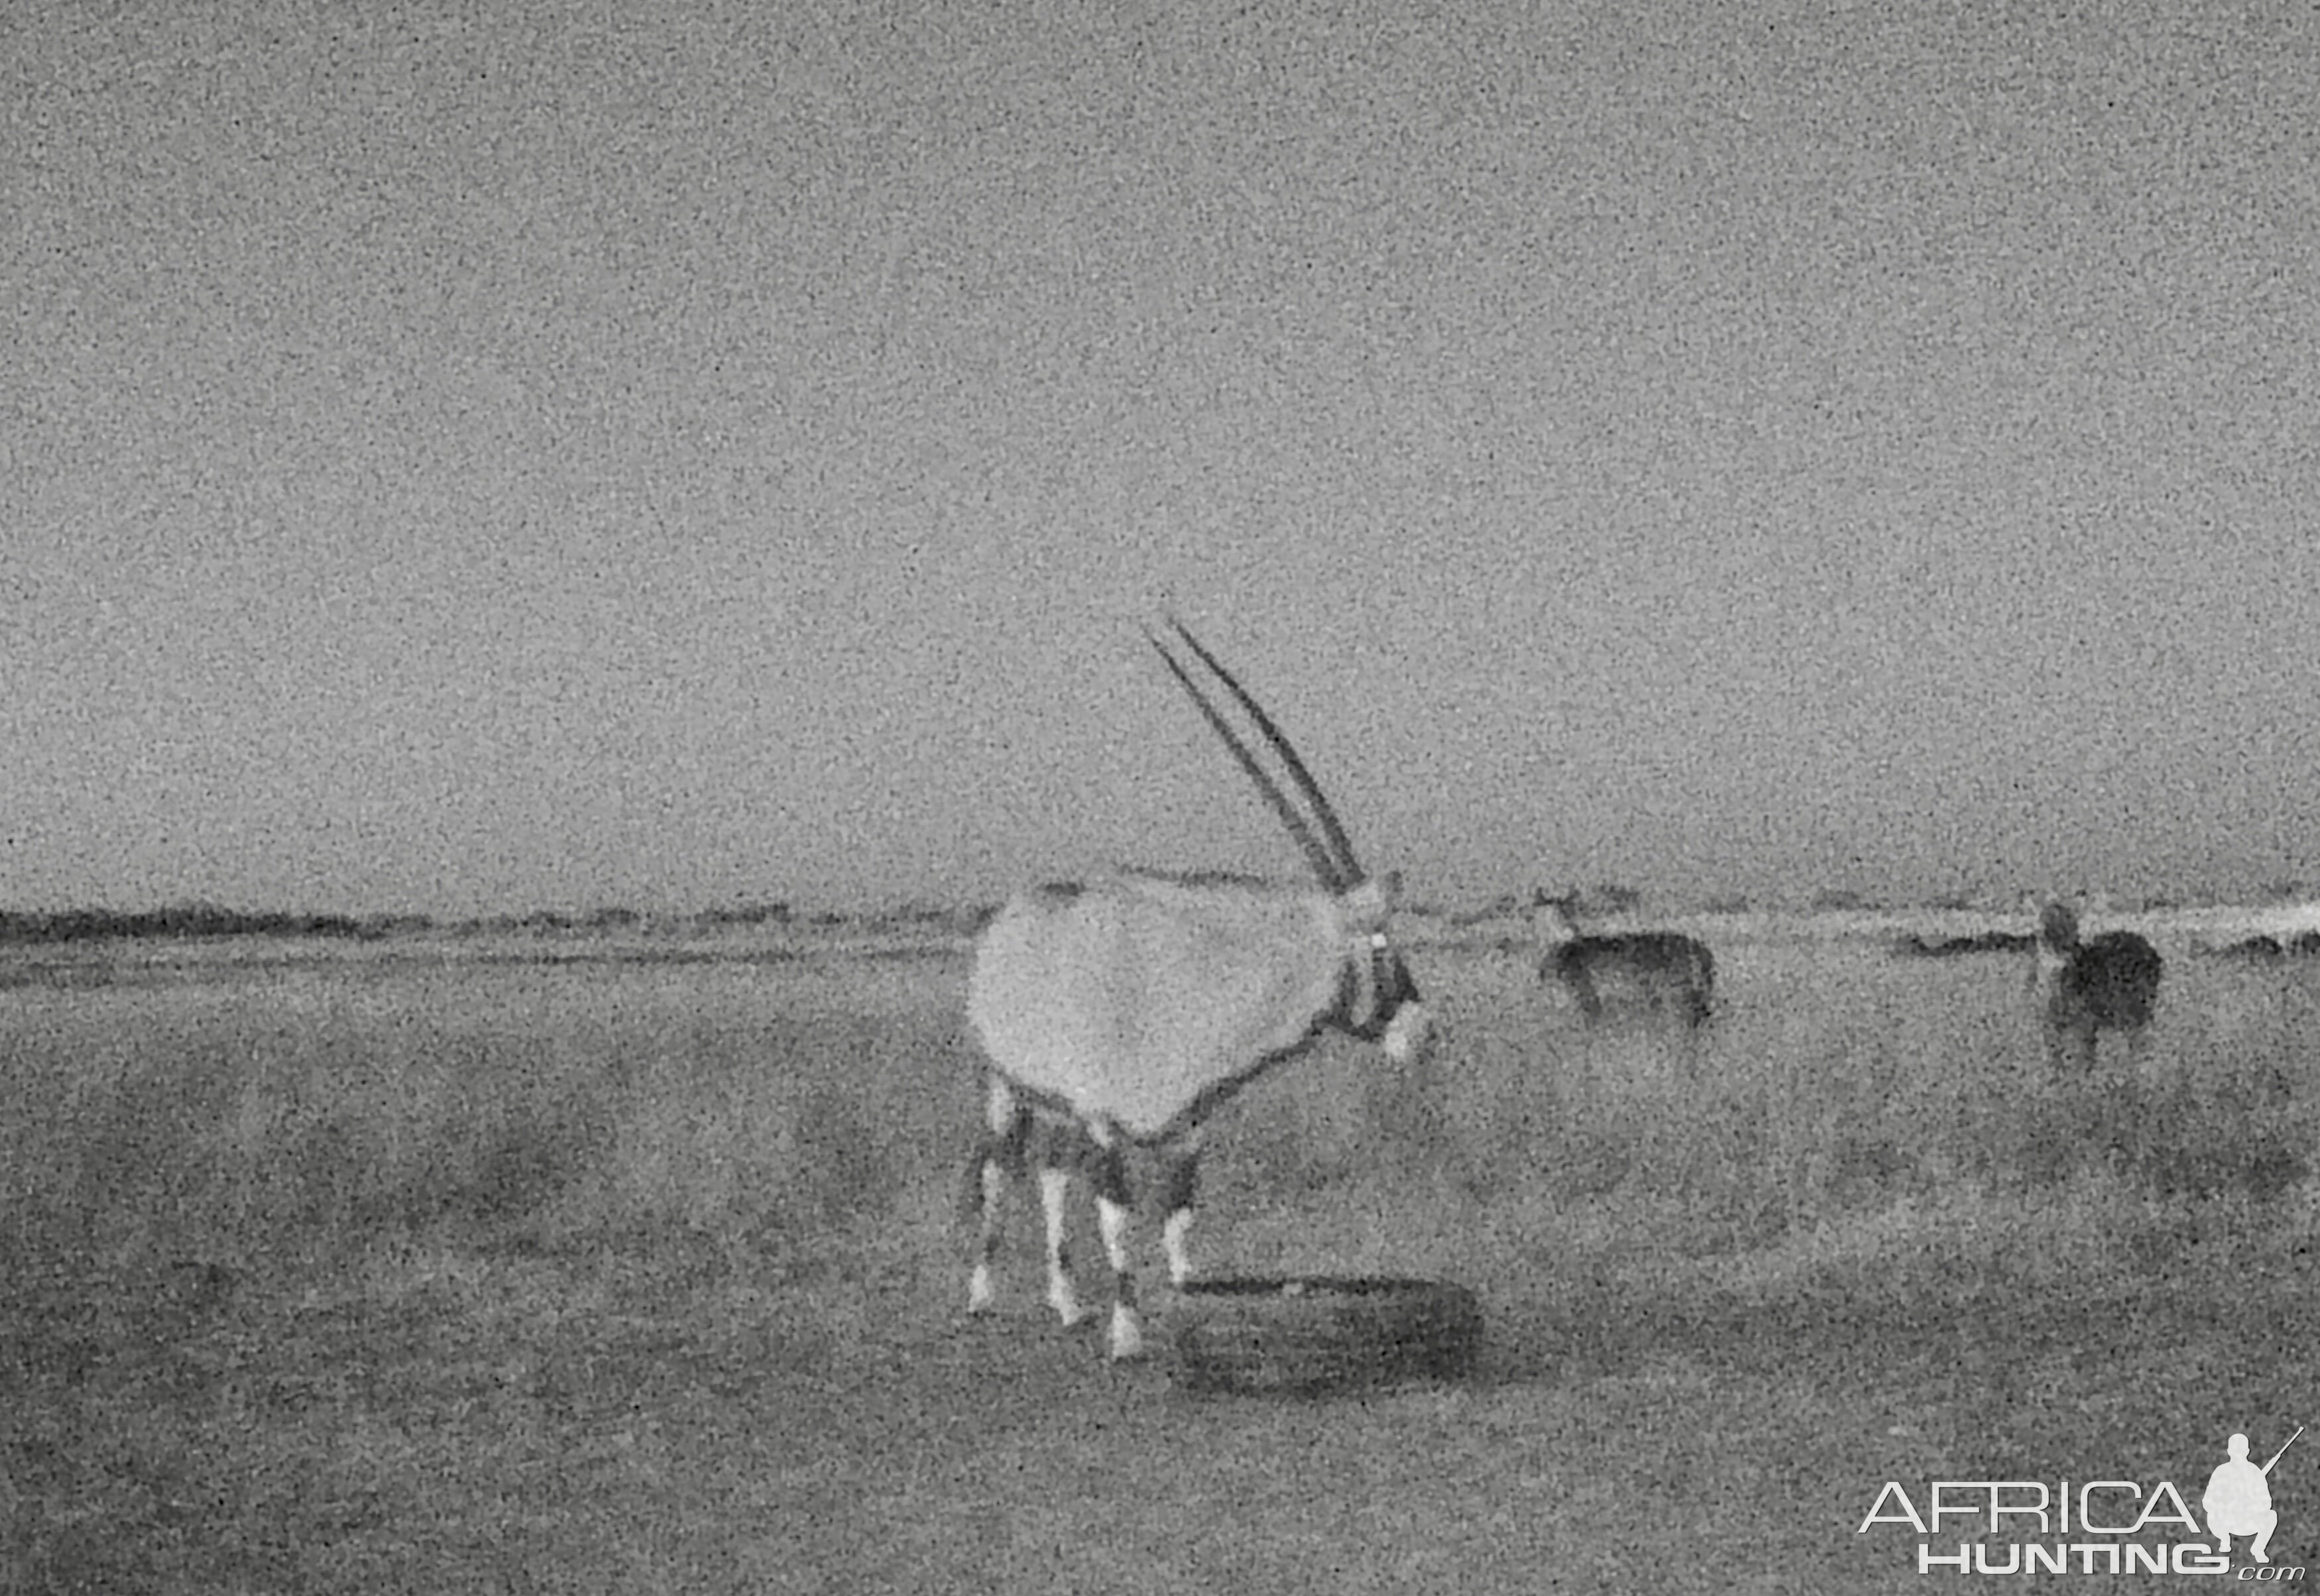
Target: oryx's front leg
[(1179, 1176), (1115, 1210), (1055, 1186)]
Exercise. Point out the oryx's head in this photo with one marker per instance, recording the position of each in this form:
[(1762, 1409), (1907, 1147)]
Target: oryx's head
[(2054, 927), (1378, 1002), (2057, 922)]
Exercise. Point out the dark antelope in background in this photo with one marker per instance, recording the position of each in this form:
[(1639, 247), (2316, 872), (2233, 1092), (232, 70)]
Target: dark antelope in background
[(1664, 972), (2110, 982)]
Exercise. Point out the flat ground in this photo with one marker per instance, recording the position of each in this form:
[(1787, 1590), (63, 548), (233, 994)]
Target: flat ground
[(446, 1272)]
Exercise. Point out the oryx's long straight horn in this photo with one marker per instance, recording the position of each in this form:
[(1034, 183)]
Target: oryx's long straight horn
[(1349, 868), (1326, 866)]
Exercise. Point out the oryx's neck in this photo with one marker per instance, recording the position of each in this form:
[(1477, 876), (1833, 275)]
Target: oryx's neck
[(1368, 990)]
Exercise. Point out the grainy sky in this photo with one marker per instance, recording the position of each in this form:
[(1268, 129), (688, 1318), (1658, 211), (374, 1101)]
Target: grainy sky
[(466, 458)]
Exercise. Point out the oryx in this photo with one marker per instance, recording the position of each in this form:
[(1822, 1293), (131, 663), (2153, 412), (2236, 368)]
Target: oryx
[(1123, 1012), (2107, 984), (1665, 972)]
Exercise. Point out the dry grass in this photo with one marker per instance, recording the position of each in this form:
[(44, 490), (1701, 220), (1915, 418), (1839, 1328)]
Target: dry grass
[(636, 1277)]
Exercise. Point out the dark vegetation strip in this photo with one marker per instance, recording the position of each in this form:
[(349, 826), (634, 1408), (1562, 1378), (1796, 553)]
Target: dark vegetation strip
[(78, 973), (212, 919), (1951, 946), (194, 920)]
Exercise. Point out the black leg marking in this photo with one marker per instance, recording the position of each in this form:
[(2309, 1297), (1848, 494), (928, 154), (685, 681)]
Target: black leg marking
[(1110, 1175), (1179, 1178), (1112, 1186)]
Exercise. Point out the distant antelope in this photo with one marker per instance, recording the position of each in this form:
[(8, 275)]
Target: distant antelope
[(2108, 983), (2269, 948), (1123, 1013), (1666, 971)]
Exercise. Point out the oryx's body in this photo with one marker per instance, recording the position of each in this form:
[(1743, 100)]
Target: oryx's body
[(1145, 1000), (1123, 1013), (1663, 972), (2110, 982)]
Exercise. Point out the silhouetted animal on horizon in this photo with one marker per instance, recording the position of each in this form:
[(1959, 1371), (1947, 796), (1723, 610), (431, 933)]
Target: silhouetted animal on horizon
[(1665, 972), (2108, 983)]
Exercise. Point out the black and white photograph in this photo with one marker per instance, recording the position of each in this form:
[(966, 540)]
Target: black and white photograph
[(1245, 795)]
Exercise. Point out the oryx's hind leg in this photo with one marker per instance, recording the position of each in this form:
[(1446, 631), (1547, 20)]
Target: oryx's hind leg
[(1007, 1131), (1115, 1210)]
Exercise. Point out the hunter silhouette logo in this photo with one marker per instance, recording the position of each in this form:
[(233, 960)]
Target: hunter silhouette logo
[(2238, 1500)]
